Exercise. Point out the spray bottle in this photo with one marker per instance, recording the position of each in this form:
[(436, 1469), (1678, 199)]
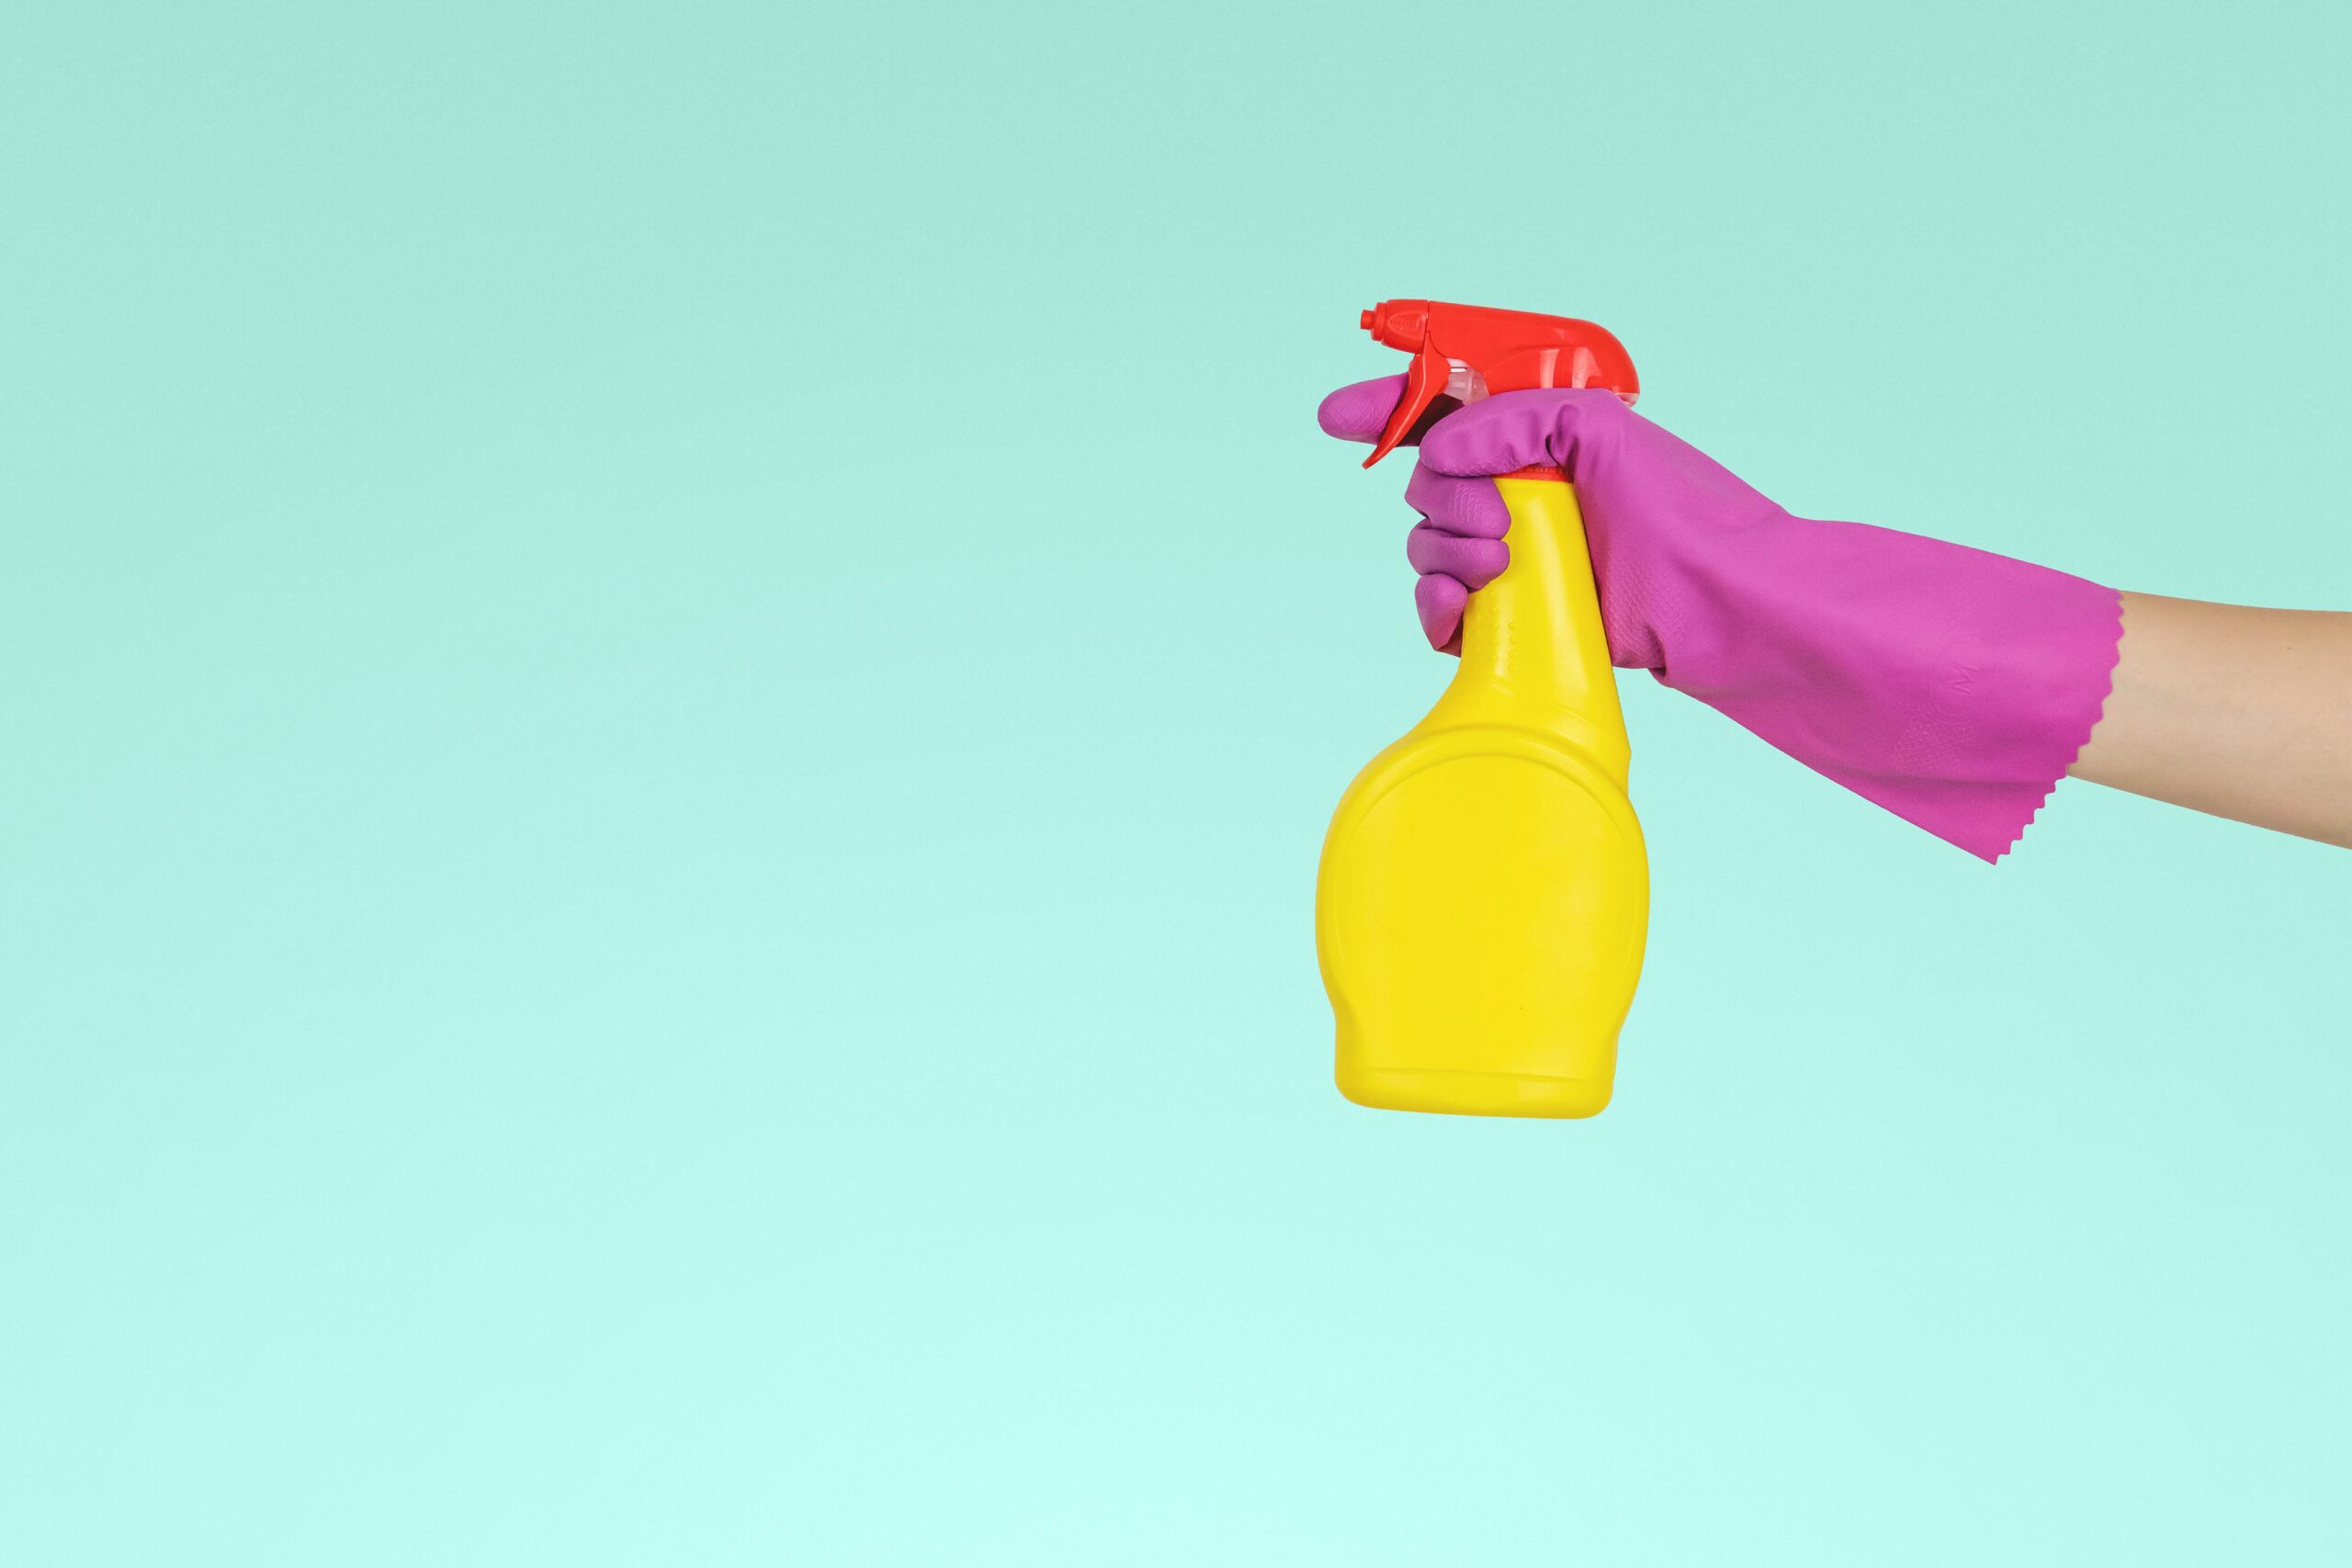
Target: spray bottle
[(1484, 892)]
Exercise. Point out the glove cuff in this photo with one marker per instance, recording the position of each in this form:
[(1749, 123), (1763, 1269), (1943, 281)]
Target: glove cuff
[(1952, 686)]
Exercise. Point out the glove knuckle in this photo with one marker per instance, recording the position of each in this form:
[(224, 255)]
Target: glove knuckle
[(1591, 405)]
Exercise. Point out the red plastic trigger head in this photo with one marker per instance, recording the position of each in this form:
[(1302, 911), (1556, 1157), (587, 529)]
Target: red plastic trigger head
[(1499, 351)]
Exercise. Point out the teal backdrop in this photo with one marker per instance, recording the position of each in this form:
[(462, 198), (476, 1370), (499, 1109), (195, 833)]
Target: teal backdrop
[(672, 676)]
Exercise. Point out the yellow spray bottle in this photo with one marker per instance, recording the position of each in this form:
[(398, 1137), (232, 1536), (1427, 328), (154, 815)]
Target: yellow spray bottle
[(1484, 891)]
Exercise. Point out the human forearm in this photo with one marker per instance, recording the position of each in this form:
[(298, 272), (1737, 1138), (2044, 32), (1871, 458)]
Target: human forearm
[(2243, 713)]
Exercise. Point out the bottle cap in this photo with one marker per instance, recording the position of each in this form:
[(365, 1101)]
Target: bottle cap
[(1507, 350)]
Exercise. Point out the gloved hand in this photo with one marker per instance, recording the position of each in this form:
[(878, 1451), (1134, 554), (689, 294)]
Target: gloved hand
[(1950, 685)]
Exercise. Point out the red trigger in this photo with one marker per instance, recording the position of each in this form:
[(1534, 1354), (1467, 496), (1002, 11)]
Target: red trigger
[(1424, 384)]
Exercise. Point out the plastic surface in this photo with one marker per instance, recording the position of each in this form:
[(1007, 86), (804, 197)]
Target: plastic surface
[(1475, 347), (1484, 892)]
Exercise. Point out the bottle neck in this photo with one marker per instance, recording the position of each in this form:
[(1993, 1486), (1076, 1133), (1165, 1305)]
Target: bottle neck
[(1534, 650)]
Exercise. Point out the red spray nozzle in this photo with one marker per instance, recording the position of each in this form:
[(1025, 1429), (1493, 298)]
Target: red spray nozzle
[(1471, 350)]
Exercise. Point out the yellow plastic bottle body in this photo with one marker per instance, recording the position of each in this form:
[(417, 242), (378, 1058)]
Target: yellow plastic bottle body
[(1484, 892)]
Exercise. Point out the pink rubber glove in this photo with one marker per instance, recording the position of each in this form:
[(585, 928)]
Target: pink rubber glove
[(1952, 686)]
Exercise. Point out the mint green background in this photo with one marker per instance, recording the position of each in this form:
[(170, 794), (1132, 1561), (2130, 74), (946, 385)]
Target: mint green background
[(672, 676)]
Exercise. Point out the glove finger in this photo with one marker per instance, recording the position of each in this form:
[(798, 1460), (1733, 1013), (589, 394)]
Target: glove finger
[(1519, 430), (1357, 412), (1439, 600), (1474, 563), (1468, 506)]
